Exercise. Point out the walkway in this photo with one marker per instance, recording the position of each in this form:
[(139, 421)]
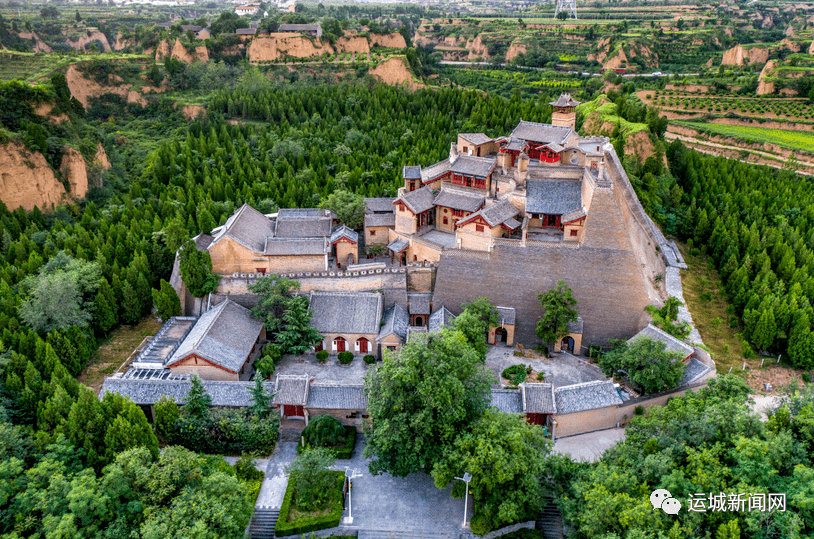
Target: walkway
[(589, 447)]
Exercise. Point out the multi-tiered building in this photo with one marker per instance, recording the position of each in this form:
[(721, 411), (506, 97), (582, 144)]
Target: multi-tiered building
[(536, 184)]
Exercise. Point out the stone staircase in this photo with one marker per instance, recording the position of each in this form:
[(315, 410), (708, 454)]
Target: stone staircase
[(261, 526), (378, 534), (549, 521)]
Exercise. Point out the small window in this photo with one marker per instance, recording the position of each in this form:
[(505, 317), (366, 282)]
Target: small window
[(372, 232), (466, 149), (573, 232), (446, 220), (391, 348), (352, 415), (479, 228)]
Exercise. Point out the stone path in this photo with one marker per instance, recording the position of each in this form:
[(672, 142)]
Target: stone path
[(674, 288), (589, 447), (273, 488)]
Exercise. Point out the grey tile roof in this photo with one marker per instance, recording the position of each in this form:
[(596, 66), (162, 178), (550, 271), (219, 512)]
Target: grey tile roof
[(298, 28), (301, 213), (565, 100), (440, 319), (473, 166), (508, 401), (202, 241), (511, 223), (419, 200), (224, 335), (347, 312), (411, 173), (192, 27), (295, 246), (398, 245), (671, 343), (586, 396), (540, 133), (248, 227), (344, 232), (575, 327), (291, 389), (419, 303), (693, 370), (574, 215), (458, 199), (554, 147), (516, 144), (475, 138), (380, 205), (395, 321), (506, 315), (539, 398), (150, 391), (337, 397), (303, 226), (553, 197), (415, 331), (380, 219), (430, 173), (246, 31), (496, 214)]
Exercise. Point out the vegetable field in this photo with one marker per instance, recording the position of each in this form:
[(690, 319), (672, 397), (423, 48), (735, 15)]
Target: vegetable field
[(796, 140)]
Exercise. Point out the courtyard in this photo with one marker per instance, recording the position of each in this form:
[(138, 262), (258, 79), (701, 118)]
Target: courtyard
[(563, 369)]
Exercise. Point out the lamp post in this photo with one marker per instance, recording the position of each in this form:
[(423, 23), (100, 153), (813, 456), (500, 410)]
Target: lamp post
[(466, 479), (350, 474)]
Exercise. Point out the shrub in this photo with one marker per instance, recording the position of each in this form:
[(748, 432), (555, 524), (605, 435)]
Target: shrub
[(309, 524), (324, 431), (322, 355), (479, 525), (514, 374), (245, 469), (345, 357), (369, 359), (639, 410), (340, 452), (541, 376), (806, 378)]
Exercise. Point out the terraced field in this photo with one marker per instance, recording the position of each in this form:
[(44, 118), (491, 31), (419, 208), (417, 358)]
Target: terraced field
[(796, 140), (38, 67)]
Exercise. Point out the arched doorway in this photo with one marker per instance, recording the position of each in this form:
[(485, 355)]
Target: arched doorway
[(362, 345), (339, 344), (567, 344), (419, 320), (501, 335)]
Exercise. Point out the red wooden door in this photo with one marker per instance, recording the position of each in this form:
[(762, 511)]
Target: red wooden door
[(340, 344), (291, 410), (536, 419), (363, 344)]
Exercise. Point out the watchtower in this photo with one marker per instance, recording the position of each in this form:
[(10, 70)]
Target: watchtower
[(564, 114)]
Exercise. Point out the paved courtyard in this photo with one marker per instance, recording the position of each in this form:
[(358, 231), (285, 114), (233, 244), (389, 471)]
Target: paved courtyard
[(589, 447), (380, 502), (329, 372), (561, 370)]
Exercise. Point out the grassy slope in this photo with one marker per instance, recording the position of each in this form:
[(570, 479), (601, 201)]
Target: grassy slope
[(796, 140)]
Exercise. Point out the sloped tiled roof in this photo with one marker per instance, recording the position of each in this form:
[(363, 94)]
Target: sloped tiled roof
[(411, 173), (303, 223), (291, 389), (553, 197), (380, 219), (419, 303), (693, 370), (398, 245), (574, 215), (248, 227), (295, 246), (346, 312), (671, 343), (539, 398), (246, 31), (541, 133), (146, 392), (223, 335), (298, 28), (496, 214), (395, 322), (419, 200), (415, 331), (337, 397), (575, 327), (430, 173), (344, 232), (380, 205), (565, 100), (475, 138), (473, 166), (586, 396), (516, 144), (202, 241), (508, 401), (440, 319), (554, 147), (506, 315), (458, 199)]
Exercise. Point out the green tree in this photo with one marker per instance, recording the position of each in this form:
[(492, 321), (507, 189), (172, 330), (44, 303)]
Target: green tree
[(349, 207), (196, 270), (131, 304), (261, 401), (130, 429), (166, 414), (474, 322), (198, 401), (506, 456), (166, 301), (310, 477), (647, 363), (558, 310), (175, 233), (78, 16), (421, 399), (297, 336), (274, 295)]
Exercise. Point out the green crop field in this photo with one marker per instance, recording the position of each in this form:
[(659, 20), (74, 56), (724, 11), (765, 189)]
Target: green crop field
[(796, 140), (38, 67)]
